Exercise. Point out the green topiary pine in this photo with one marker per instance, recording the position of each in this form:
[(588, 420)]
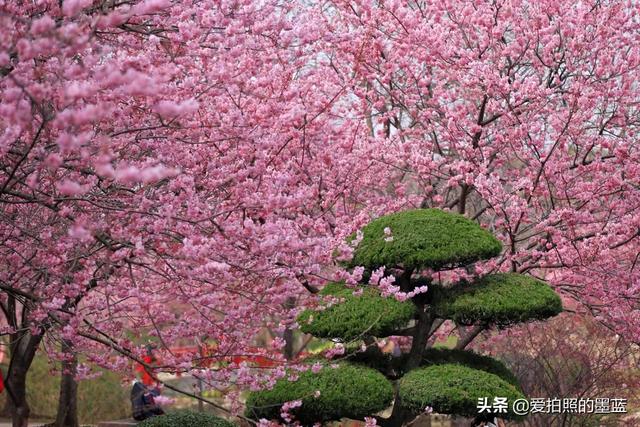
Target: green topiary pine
[(448, 380), (501, 299), (356, 316), (185, 419), (345, 391), (424, 238), (453, 389)]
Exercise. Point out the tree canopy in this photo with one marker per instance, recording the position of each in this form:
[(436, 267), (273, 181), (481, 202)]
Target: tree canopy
[(345, 391), (454, 389), (188, 167)]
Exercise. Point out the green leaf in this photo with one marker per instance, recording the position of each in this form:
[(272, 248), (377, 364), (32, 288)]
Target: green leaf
[(185, 419), (470, 359)]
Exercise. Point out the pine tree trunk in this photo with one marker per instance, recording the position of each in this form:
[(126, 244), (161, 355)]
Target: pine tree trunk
[(420, 336), (400, 415), (67, 415)]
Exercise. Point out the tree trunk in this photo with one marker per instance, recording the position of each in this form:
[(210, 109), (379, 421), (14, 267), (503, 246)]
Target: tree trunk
[(16, 385), (288, 344), (288, 333), (400, 415), (420, 336), (67, 415), (470, 335), (23, 347)]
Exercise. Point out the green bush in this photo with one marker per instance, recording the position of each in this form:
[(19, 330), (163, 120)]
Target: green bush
[(394, 367), (449, 381), (454, 389), (424, 238), (368, 313), (185, 419), (498, 299), (470, 359), (348, 391)]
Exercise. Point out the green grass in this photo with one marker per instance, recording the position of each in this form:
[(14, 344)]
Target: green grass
[(349, 391), (424, 238), (497, 299), (99, 399)]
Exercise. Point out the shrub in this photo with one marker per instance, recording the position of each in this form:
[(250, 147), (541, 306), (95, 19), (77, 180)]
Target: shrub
[(470, 359), (454, 389), (424, 238), (348, 391), (368, 313), (185, 419), (393, 367), (498, 299), (449, 381)]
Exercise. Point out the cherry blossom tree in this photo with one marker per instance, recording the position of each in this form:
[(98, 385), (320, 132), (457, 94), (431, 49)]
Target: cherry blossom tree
[(185, 169), (521, 115), (164, 173), (568, 356)]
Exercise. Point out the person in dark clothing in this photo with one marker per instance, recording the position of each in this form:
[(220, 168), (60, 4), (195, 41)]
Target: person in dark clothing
[(142, 402)]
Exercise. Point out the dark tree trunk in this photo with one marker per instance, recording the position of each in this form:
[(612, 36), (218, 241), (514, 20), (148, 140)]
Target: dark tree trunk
[(470, 335), (288, 333), (420, 336), (421, 331), (16, 385), (23, 348), (288, 344), (67, 415), (398, 416)]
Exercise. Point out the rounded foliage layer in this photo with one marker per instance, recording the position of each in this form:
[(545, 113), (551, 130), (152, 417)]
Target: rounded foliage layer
[(500, 299), (348, 391), (357, 315), (470, 359), (424, 238), (185, 419), (394, 367), (454, 389)]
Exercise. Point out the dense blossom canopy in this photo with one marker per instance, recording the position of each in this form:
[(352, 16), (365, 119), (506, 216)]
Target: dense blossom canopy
[(186, 168), (520, 114), (168, 169)]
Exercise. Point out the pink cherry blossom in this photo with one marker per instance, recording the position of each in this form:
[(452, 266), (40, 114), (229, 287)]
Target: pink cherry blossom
[(193, 167)]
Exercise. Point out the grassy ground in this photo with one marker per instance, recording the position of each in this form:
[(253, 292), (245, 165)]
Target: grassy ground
[(99, 399)]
